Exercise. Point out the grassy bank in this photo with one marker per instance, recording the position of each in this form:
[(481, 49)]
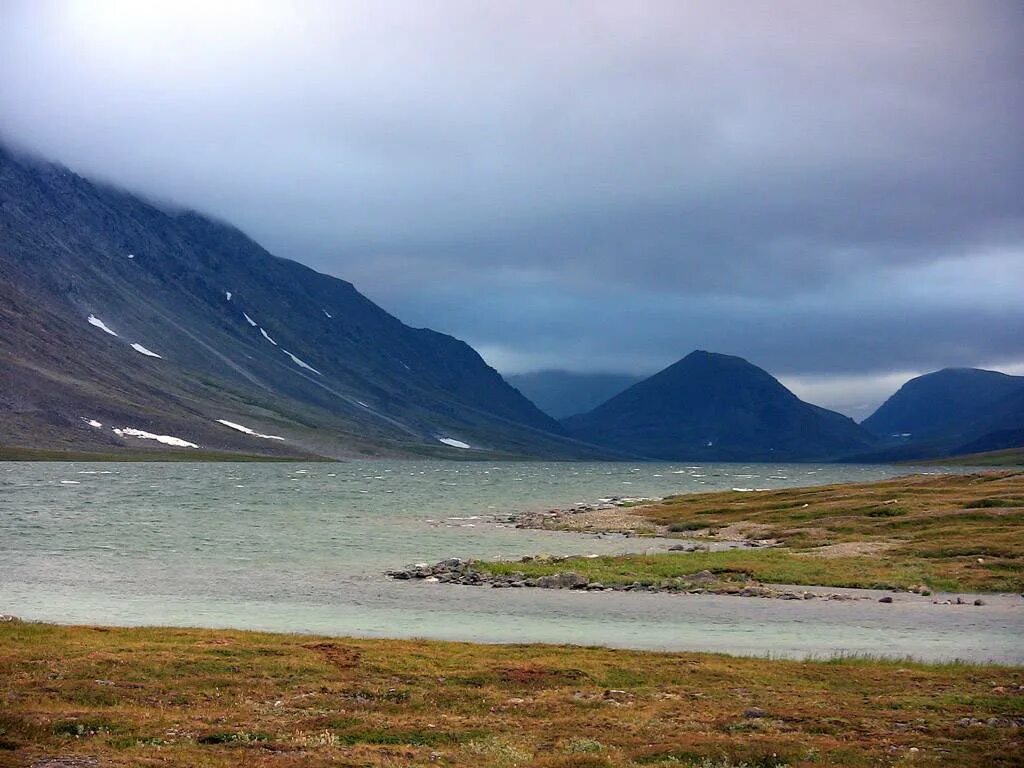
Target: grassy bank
[(174, 697), (1008, 457), (949, 532)]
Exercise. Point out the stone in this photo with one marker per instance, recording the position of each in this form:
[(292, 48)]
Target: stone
[(979, 601), (886, 599), (564, 580), (754, 713)]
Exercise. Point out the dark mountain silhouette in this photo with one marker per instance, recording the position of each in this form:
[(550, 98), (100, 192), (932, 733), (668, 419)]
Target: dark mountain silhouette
[(947, 413), (565, 393), (947, 405), (717, 408), (222, 331)]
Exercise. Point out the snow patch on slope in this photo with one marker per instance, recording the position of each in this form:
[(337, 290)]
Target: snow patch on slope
[(147, 352), (144, 435), (92, 422), (453, 442), (246, 430), (249, 320), (267, 337), (329, 315), (301, 363), (227, 295), (93, 320)]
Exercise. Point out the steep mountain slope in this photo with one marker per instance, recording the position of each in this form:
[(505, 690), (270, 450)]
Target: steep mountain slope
[(117, 311), (717, 408), (950, 406), (564, 393)]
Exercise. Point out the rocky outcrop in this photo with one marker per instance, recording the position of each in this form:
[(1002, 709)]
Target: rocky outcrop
[(457, 571)]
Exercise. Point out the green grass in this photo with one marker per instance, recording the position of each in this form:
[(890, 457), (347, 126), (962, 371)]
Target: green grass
[(947, 532), (737, 566)]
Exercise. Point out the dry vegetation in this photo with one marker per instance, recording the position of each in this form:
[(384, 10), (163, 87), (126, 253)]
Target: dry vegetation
[(176, 697), (946, 532)]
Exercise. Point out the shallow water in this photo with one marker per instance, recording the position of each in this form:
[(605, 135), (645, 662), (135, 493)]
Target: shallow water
[(293, 547)]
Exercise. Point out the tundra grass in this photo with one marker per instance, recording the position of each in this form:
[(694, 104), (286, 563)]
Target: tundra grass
[(947, 532), (1008, 457), (770, 566), (205, 698)]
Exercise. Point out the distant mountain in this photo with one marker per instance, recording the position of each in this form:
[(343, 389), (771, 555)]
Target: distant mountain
[(711, 407), (950, 406), (999, 440), (116, 314), (565, 393)]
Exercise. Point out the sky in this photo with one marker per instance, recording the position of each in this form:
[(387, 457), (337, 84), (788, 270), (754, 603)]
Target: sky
[(834, 191)]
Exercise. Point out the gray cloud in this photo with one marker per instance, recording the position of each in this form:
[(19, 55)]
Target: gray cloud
[(833, 190)]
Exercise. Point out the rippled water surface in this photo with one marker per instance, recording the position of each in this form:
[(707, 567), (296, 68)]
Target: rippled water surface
[(302, 547)]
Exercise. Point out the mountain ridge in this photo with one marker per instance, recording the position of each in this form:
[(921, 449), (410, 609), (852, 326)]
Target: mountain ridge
[(714, 407), (235, 330)]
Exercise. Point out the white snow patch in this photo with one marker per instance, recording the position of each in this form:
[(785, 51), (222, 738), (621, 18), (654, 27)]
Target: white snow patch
[(249, 320), (93, 320), (144, 435), (131, 255), (328, 314), (227, 295), (453, 442), (147, 352), (247, 431), (267, 337), (69, 482), (92, 422), (302, 363)]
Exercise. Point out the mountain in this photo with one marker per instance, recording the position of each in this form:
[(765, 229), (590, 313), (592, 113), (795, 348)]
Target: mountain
[(564, 393), (711, 407), (950, 406), (998, 440), (122, 313)]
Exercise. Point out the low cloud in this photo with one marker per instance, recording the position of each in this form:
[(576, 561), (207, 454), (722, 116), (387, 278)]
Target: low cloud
[(832, 190)]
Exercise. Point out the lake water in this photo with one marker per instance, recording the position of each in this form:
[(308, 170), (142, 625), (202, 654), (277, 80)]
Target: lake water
[(303, 547)]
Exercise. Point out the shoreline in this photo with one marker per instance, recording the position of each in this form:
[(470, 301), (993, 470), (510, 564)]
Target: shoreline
[(822, 536)]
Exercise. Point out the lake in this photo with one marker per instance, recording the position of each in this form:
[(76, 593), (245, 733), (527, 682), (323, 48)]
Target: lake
[(303, 547)]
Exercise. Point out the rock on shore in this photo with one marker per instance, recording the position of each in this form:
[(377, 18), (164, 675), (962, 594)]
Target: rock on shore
[(457, 571)]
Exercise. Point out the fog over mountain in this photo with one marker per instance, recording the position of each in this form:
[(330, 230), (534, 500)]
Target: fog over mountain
[(833, 190)]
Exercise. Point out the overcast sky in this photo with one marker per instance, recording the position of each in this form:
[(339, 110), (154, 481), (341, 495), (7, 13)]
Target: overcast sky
[(833, 190)]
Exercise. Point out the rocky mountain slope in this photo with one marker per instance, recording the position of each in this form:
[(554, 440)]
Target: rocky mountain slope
[(122, 322), (712, 407)]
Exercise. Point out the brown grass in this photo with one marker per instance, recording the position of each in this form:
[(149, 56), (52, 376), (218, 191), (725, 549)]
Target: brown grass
[(176, 697)]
